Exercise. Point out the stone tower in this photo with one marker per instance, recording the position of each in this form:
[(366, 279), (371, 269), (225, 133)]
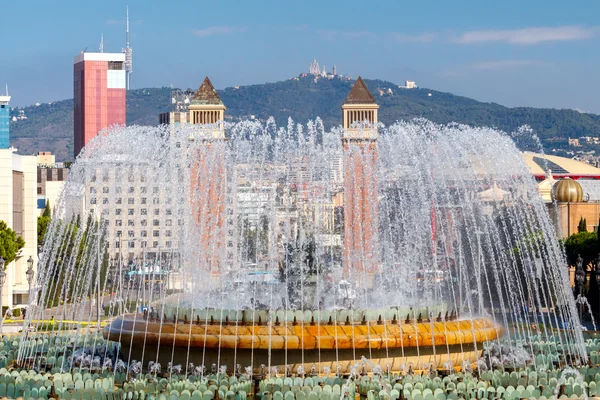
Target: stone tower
[(209, 176), (360, 181)]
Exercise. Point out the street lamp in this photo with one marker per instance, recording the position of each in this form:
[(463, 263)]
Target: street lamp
[(2, 280), (30, 273), (579, 279)]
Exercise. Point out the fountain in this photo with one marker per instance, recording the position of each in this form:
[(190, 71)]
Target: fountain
[(301, 249)]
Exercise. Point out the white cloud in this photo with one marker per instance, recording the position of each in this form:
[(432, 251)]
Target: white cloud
[(526, 36), (506, 64), (402, 38), (349, 34), (396, 36), (217, 30)]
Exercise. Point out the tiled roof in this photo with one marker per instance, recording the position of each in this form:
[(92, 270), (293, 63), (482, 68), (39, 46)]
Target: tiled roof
[(207, 94), (359, 94)]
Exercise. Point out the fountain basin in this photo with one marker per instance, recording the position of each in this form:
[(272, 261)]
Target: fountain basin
[(389, 345)]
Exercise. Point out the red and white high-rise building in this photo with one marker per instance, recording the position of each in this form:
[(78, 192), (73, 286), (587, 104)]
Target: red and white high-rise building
[(99, 86)]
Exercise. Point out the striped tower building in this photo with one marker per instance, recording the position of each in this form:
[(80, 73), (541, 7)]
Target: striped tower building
[(360, 181)]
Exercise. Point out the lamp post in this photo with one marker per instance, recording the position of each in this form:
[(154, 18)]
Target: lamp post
[(2, 280), (579, 279), (30, 274)]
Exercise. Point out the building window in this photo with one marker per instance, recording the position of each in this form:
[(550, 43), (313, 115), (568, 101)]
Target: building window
[(131, 211), (143, 200), (130, 200), (117, 245), (131, 178), (156, 233), (131, 189), (118, 222), (168, 233), (131, 233), (118, 190), (119, 200), (119, 233), (155, 244), (155, 201), (106, 211), (105, 200), (131, 245), (169, 222), (130, 223), (39, 190), (168, 244), (155, 190), (105, 189), (143, 222), (157, 211), (143, 189), (93, 200), (144, 233), (169, 212), (144, 244), (144, 211), (118, 211), (168, 200), (155, 222)]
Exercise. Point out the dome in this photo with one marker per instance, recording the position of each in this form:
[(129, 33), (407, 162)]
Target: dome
[(567, 191)]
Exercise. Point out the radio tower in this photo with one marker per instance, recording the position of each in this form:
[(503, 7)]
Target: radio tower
[(128, 53)]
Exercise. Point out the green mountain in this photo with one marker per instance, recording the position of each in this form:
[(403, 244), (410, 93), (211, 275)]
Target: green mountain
[(49, 127)]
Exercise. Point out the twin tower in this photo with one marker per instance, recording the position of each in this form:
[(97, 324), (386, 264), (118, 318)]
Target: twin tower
[(359, 140)]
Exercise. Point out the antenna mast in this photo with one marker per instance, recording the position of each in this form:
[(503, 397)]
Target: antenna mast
[(101, 43), (127, 51)]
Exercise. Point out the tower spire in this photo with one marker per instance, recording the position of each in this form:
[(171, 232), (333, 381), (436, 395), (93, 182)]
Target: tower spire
[(127, 50), (127, 27), (102, 43)]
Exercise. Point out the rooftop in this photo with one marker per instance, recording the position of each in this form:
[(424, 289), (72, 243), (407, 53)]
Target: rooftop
[(359, 94), (207, 94), (99, 57), (560, 166)]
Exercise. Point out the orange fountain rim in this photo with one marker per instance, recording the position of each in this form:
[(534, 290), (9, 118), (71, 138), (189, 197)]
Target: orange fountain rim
[(304, 336)]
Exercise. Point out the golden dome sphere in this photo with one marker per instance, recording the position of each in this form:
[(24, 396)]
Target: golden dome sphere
[(567, 191)]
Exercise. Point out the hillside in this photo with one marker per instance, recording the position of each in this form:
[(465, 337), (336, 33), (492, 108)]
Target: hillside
[(49, 127)]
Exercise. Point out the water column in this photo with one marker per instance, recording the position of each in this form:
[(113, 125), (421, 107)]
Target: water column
[(359, 141), (208, 184)]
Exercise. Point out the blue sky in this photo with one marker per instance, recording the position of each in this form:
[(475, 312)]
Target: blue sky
[(529, 53)]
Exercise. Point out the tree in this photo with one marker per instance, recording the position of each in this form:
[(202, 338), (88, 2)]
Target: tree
[(582, 227), (10, 243), (584, 243), (42, 223)]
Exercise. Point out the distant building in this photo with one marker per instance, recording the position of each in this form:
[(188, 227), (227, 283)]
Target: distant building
[(51, 178), (18, 209), (99, 81), (314, 68), (410, 85), (574, 142), (4, 121), (46, 158)]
